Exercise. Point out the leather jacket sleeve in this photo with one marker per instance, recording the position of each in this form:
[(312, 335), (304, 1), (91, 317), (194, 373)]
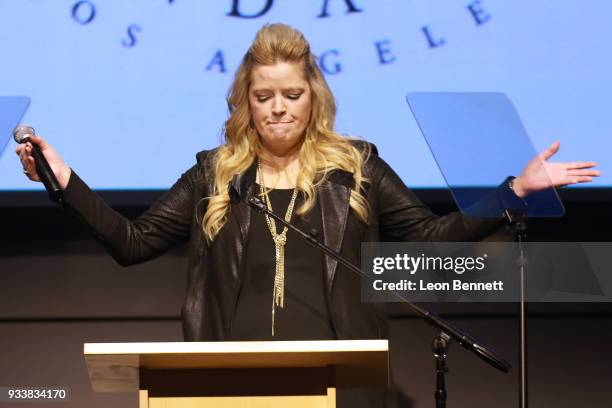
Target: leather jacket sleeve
[(166, 224), (402, 216)]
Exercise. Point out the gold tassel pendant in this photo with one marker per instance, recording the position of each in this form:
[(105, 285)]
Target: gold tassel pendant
[(278, 295), (278, 289)]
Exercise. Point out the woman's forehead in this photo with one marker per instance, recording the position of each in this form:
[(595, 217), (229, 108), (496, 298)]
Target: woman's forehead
[(279, 75)]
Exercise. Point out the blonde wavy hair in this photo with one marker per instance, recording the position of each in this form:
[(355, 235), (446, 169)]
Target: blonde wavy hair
[(322, 149)]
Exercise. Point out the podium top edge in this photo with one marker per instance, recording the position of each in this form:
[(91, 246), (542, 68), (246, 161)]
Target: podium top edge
[(310, 346)]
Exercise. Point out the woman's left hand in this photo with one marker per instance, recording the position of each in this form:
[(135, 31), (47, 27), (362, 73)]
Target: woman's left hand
[(540, 174)]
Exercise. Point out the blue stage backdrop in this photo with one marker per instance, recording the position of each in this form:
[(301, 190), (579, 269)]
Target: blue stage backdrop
[(129, 91)]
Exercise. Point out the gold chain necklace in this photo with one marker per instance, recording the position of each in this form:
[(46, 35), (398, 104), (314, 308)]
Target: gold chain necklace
[(278, 290)]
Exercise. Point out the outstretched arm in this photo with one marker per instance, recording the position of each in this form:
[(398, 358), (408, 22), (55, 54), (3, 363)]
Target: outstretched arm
[(540, 174), (166, 224)]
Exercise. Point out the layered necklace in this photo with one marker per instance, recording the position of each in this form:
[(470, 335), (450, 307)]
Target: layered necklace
[(278, 289)]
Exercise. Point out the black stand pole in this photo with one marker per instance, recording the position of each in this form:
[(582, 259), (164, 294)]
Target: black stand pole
[(439, 347), (518, 224), (449, 331)]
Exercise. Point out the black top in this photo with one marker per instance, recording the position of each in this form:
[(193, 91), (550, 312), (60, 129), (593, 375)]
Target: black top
[(304, 315)]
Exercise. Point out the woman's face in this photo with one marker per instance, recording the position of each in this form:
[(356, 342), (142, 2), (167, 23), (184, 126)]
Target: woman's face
[(279, 101)]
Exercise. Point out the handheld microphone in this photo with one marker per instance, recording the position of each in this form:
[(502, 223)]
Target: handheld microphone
[(22, 134)]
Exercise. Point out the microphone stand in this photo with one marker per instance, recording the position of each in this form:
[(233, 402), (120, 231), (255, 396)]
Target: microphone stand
[(447, 331), (518, 224)]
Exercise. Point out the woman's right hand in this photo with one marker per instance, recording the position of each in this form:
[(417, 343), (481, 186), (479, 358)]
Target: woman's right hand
[(60, 169)]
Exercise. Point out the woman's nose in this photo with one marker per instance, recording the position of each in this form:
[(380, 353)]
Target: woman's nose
[(279, 107)]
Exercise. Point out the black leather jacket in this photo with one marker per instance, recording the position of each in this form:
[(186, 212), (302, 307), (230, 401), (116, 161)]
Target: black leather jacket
[(215, 270)]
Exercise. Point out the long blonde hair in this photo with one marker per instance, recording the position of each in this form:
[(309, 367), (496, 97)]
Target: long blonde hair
[(322, 149)]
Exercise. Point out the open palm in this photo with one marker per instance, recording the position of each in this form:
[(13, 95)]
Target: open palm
[(540, 174)]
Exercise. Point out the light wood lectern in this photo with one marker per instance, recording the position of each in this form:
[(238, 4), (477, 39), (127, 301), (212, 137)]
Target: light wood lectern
[(237, 374)]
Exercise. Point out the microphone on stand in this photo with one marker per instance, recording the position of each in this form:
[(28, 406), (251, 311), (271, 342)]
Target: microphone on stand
[(22, 134)]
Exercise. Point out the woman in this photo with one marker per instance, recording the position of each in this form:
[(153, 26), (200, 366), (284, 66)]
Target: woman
[(249, 278)]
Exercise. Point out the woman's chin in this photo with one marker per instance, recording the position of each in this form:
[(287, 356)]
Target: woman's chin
[(280, 145), (281, 137)]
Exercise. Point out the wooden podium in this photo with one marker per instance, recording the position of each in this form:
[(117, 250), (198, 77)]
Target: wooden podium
[(237, 374)]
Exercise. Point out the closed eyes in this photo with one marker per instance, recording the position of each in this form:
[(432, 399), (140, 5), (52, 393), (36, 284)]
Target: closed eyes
[(293, 97)]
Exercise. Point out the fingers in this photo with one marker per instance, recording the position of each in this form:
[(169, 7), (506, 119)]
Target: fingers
[(580, 179), (574, 180), (550, 151), (592, 173), (24, 151), (21, 152), (39, 141), (580, 165)]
